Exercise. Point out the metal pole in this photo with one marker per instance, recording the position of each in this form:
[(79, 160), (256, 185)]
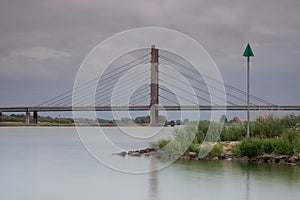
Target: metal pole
[(248, 53), (248, 97)]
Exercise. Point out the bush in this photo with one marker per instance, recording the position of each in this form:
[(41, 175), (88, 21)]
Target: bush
[(273, 127), (216, 151), (234, 132), (183, 139), (202, 130), (268, 145), (255, 147), (163, 143), (283, 147), (194, 148), (174, 147), (249, 147)]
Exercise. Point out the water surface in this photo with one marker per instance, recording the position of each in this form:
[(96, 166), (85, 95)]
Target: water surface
[(51, 163)]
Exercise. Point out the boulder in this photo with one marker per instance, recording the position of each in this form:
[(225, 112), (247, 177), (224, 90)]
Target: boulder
[(293, 159), (123, 153)]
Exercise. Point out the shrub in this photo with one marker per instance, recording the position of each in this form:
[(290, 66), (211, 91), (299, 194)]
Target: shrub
[(248, 147), (163, 143), (194, 148), (234, 132), (283, 147), (255, 147), (202, 130), (183, 139), (174, 147), (268, 145), (216, 151)]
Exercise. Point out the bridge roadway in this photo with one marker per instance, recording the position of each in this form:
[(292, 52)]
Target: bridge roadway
[(145, 108)]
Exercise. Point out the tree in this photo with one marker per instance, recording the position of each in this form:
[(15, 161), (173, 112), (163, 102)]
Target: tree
[(185, 121), (223, 119), (178, 122), (142, 120)]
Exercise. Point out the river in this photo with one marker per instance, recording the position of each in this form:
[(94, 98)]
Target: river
[(41, 163)]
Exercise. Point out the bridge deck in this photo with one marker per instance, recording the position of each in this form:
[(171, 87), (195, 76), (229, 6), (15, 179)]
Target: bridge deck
[(145, 108)]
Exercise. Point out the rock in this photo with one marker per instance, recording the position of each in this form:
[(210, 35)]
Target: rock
[(282, 161), (272, 160), (293, 164), (235, 158), (192, 155), (123, 153), (245, 159), (215, 158), (135, 154), (142, 151), (273, 155), (293, 159)]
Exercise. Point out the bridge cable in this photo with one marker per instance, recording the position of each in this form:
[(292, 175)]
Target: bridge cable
[(226, 85), (108, 91), (87, 89), (206, 92), (63, 94), (179, 96)]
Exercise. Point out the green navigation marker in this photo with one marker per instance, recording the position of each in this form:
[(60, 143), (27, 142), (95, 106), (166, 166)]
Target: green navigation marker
[(248, 51)]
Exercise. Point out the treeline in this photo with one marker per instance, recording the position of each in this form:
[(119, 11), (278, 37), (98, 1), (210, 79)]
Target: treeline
[(20, 118), (162, 120)]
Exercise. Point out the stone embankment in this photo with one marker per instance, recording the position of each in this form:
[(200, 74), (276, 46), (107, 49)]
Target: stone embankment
[(227, 155)]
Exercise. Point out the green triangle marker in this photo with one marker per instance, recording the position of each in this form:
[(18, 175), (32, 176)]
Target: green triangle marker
[(248, 51)]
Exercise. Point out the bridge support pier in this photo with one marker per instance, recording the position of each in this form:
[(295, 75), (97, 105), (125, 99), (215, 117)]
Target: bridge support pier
[(35, 117), (154, 116), (154, 87), (27, 117)]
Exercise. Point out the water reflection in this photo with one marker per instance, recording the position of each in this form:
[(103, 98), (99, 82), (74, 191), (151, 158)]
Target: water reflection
[(50, 163), (153, 180), (248, 185)]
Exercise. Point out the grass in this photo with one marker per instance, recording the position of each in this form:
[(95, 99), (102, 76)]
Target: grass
[(288, 144), (268, 135)]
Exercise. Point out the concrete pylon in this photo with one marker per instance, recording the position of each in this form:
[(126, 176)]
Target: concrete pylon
[(27, 117), (154, 87), (35, 117)]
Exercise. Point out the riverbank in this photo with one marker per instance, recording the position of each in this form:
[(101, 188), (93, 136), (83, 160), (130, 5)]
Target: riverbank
[(42, 124), (228, 154)]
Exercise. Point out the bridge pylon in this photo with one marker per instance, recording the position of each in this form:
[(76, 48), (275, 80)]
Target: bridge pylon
[(154, 87), (27, 117)]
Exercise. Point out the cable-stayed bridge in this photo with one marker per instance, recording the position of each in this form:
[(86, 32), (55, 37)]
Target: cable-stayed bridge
[(165, 81)]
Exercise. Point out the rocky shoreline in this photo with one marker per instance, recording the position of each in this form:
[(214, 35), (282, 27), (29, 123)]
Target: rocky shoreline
[(228, 155)]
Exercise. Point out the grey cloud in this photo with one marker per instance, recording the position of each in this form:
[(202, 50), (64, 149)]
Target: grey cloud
[(40, 53), (65, 31)]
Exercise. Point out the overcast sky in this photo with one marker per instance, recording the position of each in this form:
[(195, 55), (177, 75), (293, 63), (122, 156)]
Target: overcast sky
[(43, 42)]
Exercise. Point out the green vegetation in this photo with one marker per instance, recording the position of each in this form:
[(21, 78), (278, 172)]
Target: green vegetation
[(268, 135), (217, 150), (13, 119), (273, 127), (163, 143), (183, 138), (287, 144), (21, 118)]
